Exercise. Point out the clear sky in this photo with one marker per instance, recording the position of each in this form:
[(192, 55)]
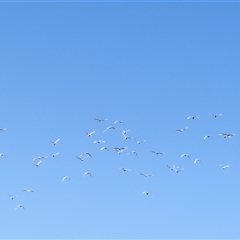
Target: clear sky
[(151, 65)]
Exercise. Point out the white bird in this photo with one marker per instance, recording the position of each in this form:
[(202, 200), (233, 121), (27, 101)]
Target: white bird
[(55, 142), (227, 135), (20, 206), (110, 127), (38, 163), (207, 136), (215, 114), (177, 169), (54, 154), (181, 129), (90, 134), (134, 152), (3, 129), (197, 160), (99, 141), (124, 132), (2, 155), (87, 173), (224, 167), (184, 155), (139, 141), (80, 158), (146, 193), (118, 121), (88, 154), (125, 169), (171, 168), (38, 158), (126, 137), (146, 175), (193, 117), (12, 197), (157, 153), (27, 190), (64, 178), (100, 120), (104, 148)]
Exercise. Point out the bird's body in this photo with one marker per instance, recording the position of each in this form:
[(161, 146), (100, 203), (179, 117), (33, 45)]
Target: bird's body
[(193, 117), (38, 163), (227, 135), (197, 160), (54, 154), (146, 175), (157, 153), (87, 173), (215, 114), (207, 136), (118, 121), (19, 206), (89, 134), (125, 169), (181, 129), (2, 155), (146, 193), (100, 120), (104, 148), (12, 197), (110, 127), (65, 178), (224, 166), (185, 155), (99, 141)]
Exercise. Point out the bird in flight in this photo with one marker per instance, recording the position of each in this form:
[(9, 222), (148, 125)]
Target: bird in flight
[(120, 149), (171, 168), (87, 173), (215, 114), (12, 197), (146, 193), (55, 142), (100, 120), (227, 135), (118, 121), (38, 163), (38, 158), (99, 141), (110, 127), (125, 169), (104, 148), (146, 175), (207, 136), (27, 190), (134, 152), (3, 129), (2, 155), (184, 155), (193, 117), (197, 160), (20, 206), (224, 166), (80, 158), (64, 178), (157, 153), (54, 154), (181, 129), (139, 141), (177, 169), (90, 134)]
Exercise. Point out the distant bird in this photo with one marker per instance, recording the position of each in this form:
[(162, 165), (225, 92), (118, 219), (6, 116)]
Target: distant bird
[(120, 149), (139, 141), (110, 127), (99, 141), (157, 153), (3, 129), (27, 190), (87, 173), (124, 132), (134, 152), (207, 136), (104, 148), (2, 155), (126, 137), (38, 158), (171, 168), (100, 120), (125, 169), (54, 154), (64, 178), (184, 155), (146, 193), (20, 206), (181, 129), (227, 135), (215, 115), (80, 158), (118, 121), (224, 167), (90, 134), (193, 117), (197, 160), (146, 175), (88, 154), (38, 163), (177, 169), (55, 142), (12, 197)]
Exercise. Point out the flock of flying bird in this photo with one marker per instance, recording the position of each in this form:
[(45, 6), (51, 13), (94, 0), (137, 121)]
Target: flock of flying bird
[(38, 160)]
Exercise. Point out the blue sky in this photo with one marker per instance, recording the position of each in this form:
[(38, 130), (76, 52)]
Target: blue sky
[(150, 65)]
